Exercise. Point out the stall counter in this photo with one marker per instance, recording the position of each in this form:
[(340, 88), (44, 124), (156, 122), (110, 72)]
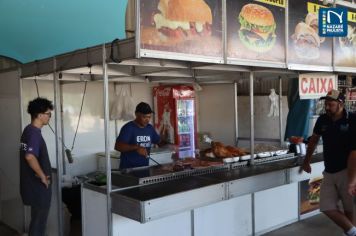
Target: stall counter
[(250, 189)]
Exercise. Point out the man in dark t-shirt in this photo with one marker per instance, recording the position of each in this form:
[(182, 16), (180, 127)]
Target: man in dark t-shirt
[(135, 139), (35, 166), (334, 128)]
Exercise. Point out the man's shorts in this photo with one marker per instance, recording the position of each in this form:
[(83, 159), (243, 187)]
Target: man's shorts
[(334, 189)]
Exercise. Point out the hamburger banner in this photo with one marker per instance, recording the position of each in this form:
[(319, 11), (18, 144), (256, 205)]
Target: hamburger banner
[(306, 49), (316, 85), (256, 32), (345, 47), (181, 29)]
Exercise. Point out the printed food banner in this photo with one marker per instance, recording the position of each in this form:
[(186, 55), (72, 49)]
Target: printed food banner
[(345, 47), (256, 30), (305, 46), (183, 28), (310, 195)]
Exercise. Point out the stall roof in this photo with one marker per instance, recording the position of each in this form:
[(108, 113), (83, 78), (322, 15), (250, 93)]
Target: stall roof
[(36, 29), (123, 66)]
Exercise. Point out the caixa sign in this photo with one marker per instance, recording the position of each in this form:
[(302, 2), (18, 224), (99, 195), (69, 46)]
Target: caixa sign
[(316, 85), (333, 22)]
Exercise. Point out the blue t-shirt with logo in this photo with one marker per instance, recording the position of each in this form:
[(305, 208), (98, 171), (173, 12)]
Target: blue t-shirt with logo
[(33, 191), (132, 134)]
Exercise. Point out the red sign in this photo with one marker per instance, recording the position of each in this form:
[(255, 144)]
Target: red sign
[(314, 86)]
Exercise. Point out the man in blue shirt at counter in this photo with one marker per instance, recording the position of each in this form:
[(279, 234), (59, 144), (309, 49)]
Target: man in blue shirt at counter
[(136, 138), (334, 128)]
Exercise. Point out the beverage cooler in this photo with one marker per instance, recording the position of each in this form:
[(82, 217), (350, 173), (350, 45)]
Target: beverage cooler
[(175, 117)]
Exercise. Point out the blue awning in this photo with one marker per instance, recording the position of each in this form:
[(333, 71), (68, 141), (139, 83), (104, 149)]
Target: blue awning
[(37, 29)]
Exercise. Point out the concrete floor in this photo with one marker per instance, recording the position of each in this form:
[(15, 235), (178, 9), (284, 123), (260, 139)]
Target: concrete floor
[(317, 225)]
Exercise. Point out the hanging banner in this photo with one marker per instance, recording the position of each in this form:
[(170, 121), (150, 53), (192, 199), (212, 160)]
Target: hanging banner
[(184, 30), (345, 47), (306, 49), (256, 32), (314, 86)]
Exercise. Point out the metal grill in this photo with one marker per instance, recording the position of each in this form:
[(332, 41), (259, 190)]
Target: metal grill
[(264, 160), (182, 174), (239, 164)]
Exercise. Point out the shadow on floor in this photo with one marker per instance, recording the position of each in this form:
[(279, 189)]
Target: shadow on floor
[(7, 231)]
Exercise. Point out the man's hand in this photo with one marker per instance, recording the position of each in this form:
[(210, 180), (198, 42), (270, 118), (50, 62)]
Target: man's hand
[(306, 167), (46, 181), (352, 189), (142, 151)]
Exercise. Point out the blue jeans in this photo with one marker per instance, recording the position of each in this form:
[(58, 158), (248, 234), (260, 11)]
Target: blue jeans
[(38, 221)]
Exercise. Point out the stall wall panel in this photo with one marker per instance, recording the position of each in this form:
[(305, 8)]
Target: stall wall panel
[(216, 112), (265, 127), (228, 218), (11, 208), (276, 207), (94, 213), (174, 225), (90, 136)]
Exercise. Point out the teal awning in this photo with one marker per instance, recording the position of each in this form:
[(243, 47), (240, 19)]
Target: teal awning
[(36, 29)]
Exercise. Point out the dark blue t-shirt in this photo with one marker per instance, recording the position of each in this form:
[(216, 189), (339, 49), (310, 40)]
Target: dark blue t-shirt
[(132, 134), (336, 140), (33, 191)]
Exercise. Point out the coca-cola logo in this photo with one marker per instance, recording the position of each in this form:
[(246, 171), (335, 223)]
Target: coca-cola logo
[(164, 92)]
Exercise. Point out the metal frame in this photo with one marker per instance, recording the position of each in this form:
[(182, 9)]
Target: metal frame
[(106, 131), (59, 148)]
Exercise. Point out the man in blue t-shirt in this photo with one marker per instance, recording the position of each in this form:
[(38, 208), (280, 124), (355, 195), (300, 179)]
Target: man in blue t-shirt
[(135, 139), (35, 166)]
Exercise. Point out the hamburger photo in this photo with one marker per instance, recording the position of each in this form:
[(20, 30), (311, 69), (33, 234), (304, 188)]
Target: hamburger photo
[(257, 28), (306, 42), (179, 20), (348, 43), (314, 190), (312, 20)]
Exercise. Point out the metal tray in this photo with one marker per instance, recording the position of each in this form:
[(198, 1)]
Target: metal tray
[(155, 174)]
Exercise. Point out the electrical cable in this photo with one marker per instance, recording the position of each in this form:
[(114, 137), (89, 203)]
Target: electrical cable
[(67, 150)]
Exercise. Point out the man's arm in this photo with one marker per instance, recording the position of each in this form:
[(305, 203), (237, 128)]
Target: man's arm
[(351, 168), (313, 141), (124, 147), (35, 166)]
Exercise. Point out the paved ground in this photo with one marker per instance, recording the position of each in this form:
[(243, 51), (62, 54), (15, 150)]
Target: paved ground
[(317, 225)]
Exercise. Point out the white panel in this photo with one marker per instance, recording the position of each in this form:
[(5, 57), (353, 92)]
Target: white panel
[(11, 207), (94, 213), (216, 112), (175, 225), (265, 127), (226, 218), (317, 170), (276, 206)]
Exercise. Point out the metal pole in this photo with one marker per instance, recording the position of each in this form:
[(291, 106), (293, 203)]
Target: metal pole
[(62, 127), (280, 111), (252, 125), (236, 116), (224, 22), (58, 135), (107, 150)]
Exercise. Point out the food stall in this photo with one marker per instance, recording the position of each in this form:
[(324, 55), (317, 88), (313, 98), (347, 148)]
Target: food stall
[(244, 197)]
